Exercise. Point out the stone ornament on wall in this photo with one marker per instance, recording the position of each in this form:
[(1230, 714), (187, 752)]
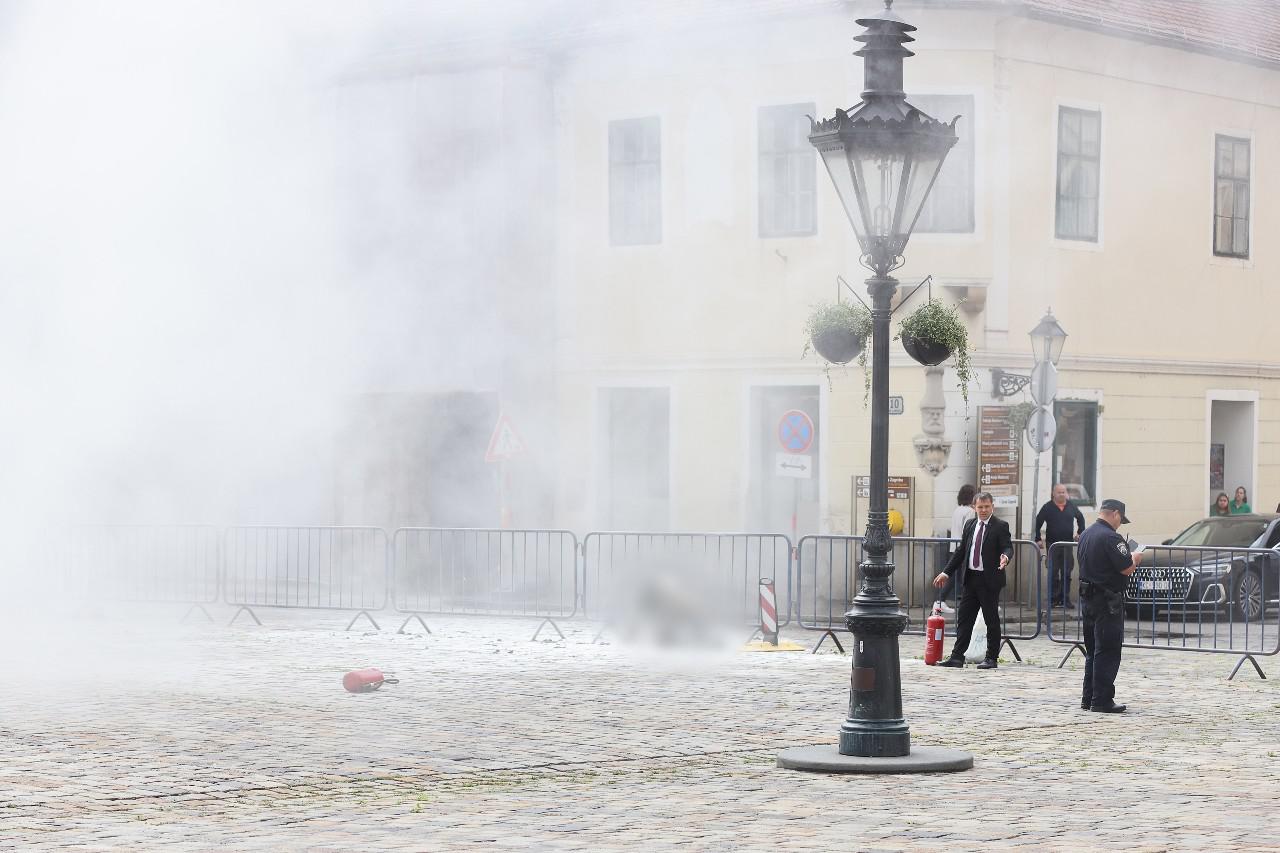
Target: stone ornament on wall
[(933, 450)]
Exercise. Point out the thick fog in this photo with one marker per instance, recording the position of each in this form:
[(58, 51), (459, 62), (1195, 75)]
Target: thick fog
[(242, 267), (195, 280)]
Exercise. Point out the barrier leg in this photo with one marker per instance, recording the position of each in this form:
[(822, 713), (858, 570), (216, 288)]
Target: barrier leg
[(599, 634), (192, 609), (834, 639), (1240, 663), (410, 619), (551, 622), (366, 615), (244, 608), (1007, 642), (1071, 651), (754, 634)]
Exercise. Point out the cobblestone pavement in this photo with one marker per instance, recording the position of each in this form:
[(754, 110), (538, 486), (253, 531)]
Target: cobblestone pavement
[(209, 737)]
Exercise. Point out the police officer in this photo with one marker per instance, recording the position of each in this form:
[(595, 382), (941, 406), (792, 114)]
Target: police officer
[(1105, 567)]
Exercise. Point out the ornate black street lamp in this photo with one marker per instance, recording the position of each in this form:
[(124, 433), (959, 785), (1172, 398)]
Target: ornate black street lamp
[(883, 156)]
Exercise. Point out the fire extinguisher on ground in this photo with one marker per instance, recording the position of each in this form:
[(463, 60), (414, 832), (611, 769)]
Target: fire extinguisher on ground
[(934, 629), (366, 680)]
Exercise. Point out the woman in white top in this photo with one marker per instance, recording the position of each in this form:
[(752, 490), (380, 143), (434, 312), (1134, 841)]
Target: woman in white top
[(959, 518)]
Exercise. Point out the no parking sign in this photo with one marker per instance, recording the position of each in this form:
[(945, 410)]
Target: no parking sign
[(795, 431), (795, 434)]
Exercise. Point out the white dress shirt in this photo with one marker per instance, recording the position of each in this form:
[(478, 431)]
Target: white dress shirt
[(979, 528)]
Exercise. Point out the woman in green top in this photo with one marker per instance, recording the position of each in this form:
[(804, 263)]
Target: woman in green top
[(1221, 505), (1240, 505)]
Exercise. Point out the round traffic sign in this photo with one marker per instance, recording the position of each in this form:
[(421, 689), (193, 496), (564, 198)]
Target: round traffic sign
[(1041, 429), (795, 431)]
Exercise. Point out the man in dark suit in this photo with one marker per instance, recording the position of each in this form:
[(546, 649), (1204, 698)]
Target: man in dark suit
[(985, 549)]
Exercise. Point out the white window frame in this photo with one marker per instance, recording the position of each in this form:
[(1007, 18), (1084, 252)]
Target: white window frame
[(1085, 395), (979, 120), (759, 196), (662, 176), (1054, 239), (1238, 133), (1229, 395), (756, 380), (654, 381)]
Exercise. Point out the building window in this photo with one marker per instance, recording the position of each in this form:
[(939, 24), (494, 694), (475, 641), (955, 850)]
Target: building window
[(634, 482), (1079, 159), (949, 207), (788, 169), (1075, 450), (1231, 197), (635, 182)]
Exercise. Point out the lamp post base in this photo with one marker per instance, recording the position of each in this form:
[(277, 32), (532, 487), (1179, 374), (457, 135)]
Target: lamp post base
[(922, 759)]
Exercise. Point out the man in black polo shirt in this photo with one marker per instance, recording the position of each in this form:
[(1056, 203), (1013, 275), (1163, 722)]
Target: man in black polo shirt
[(1062, 522), (1105, 566)]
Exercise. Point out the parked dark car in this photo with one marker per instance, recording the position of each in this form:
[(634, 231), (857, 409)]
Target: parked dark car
[(1187, 572)]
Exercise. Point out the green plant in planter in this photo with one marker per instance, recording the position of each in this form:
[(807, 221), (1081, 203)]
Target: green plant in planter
[(932, 333), (838, 332), (1019, 414)]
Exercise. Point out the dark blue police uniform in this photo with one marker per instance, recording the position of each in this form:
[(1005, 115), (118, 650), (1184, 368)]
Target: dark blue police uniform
[(1103, 554)]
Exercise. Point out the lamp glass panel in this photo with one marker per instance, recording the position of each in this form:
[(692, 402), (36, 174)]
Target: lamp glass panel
[(925, 165), (842, 176)]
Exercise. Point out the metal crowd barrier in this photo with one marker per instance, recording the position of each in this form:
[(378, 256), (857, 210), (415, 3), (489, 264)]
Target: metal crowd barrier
[(827, 582), (175, 564), (686, 576), (480, 572), (1217, 600), (314, 568)]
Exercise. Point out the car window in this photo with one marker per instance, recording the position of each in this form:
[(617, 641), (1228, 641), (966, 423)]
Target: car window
[(1274, 539), (1239, 533)]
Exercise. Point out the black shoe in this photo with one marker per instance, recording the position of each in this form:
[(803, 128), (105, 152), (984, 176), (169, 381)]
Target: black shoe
[(1056, 604), (1085, 703), (987, 663), (1109, 708), (956, 662)]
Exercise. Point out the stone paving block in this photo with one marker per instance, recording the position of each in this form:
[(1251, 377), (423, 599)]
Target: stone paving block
[(566, 745)]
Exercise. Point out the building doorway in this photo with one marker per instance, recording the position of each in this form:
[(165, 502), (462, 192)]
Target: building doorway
[(1231, 457), (633, 486), (774, 495)]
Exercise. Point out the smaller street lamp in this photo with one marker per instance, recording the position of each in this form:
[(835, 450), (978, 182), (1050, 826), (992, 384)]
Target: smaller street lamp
[(1047, 339)]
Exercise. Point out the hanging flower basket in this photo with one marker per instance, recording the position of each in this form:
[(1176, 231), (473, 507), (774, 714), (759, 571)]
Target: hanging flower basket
[(926, 352), (838, 332), (838, 346), (933, 333)]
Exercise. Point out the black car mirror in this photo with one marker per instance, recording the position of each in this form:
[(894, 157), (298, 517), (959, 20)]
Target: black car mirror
[(1167, 542)]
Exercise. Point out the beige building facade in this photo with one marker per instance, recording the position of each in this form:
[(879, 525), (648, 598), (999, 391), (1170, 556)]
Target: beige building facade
[(1127, 180)]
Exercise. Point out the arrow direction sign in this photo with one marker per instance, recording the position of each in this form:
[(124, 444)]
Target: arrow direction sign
[(795, 465)]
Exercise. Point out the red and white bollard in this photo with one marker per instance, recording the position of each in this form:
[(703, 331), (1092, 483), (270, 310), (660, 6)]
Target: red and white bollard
[(768, 612)]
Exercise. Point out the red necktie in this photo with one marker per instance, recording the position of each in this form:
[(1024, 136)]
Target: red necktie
[(977, 545)]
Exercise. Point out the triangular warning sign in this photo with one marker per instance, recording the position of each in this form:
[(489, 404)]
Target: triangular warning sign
[(505, 442)]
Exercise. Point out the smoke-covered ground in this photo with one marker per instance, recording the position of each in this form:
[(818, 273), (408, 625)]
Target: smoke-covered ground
[(492, 740)]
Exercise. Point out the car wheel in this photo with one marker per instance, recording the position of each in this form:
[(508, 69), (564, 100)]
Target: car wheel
[(1247, 600)]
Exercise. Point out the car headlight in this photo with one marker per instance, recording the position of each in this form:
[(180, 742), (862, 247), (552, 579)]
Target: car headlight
[(1210, 569)]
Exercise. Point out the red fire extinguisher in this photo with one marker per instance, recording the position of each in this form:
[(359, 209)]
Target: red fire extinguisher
[(934, 629), (366, 680)]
